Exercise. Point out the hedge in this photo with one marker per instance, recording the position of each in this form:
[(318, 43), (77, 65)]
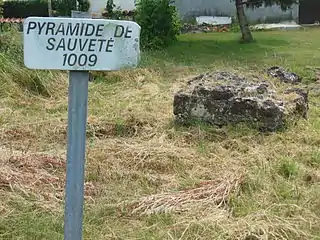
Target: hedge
[(39, 8), (23, 9)]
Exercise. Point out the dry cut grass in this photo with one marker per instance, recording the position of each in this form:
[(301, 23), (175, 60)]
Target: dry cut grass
[(146, 177), (213, 192)]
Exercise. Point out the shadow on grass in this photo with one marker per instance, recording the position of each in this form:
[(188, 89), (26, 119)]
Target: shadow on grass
[(207, 49)]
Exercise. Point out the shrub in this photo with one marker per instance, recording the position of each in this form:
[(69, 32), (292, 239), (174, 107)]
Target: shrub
[(110, 7), (159, 23), (112, 11)]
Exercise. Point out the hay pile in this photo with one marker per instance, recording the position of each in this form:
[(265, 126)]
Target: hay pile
[(213, 192)]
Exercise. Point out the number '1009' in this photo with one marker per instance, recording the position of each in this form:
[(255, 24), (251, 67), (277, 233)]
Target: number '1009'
[(81, 60)]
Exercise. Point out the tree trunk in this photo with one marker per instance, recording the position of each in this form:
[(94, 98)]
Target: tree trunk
[(243, 22), (50, 8)]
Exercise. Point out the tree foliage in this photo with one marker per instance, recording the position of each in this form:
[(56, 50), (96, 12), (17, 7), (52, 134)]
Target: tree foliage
[(159, 22)]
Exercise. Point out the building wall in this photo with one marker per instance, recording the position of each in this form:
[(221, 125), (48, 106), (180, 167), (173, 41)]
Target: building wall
[(191, 8)]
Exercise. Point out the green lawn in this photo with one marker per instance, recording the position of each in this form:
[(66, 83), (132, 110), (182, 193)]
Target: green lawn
[(270, 182), (294, 49)]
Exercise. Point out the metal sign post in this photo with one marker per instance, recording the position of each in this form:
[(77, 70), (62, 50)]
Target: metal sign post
[(77, 119), (79, 45)]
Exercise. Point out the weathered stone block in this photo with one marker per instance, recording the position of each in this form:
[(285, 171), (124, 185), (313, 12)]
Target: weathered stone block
[(221, 98)]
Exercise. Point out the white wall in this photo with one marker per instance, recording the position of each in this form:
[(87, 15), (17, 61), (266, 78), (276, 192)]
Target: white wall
[(189, 8)]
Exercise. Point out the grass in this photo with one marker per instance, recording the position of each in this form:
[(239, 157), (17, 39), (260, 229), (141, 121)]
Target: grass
[(231, 183)]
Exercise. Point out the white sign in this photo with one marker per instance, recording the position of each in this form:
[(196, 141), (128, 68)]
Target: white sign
[(80, 43)]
